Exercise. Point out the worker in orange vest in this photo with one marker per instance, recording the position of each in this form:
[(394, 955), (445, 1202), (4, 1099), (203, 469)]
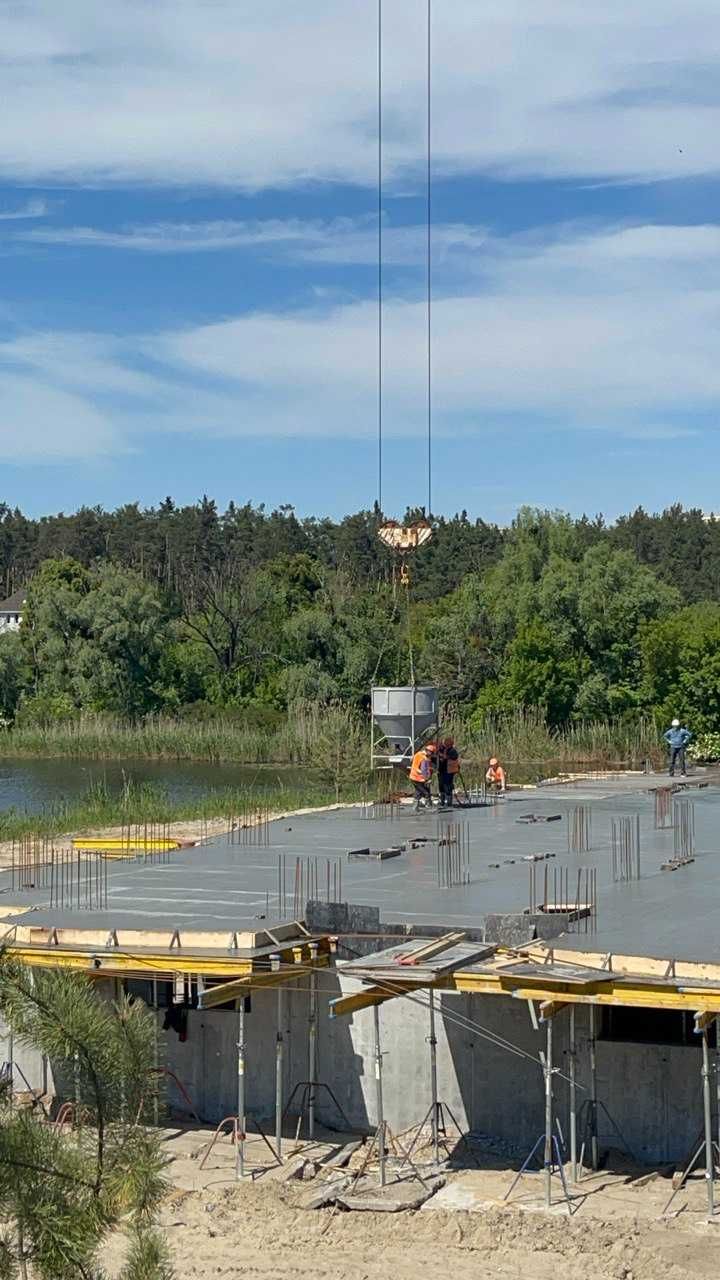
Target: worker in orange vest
[(495, 777), (420, 775), (448, 769)]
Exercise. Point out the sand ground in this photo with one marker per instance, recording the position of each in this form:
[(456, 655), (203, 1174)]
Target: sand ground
[(259, 1228)]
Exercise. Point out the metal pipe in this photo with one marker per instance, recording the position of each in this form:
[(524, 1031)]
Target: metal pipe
[(707, 1112), (573, 1095), (279, 1067), (432, 1041), (593, 1091), (548, 1115), (240, 1144), (156, 1054), (718, 1078), (312, 1042), (379, 1096)]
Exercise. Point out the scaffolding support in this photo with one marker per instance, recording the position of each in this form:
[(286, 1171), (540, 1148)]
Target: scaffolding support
[(573, 1095), (156, 1054), (279, 1068), (592, 1045), (548, 1073), (240, 1144), (382, 1155), (707, 1115), (312, 1043), (432, 1041)]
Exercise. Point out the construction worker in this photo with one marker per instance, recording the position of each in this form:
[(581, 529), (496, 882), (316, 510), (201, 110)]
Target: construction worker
[(420, 775), (448, 769), (677, 738), (495, 777)]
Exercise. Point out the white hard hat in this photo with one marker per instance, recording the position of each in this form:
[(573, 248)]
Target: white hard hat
[(676, 724)]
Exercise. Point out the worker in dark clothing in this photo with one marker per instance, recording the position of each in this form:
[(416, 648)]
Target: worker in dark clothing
[(677, 738), (448, 769)]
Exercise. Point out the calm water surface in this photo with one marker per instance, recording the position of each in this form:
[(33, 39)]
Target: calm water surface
[(33, 785)]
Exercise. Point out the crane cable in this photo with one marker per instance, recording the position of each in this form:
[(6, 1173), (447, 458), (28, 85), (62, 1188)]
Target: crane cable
[(428, 254)]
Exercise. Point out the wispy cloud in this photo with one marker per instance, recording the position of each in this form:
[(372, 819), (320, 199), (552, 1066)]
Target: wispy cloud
[(343, 241), (32, 209), (612, 331), (246, 95)]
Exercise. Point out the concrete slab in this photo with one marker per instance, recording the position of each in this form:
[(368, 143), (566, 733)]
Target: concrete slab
[(224, 886)]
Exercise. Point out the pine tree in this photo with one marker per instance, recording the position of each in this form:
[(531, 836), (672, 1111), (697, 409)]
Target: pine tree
[(64, 1191)]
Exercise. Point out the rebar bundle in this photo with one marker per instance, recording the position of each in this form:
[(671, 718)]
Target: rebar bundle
[(78, 881), (308, 880), (683, 813), (453, 855), (148, 842), (625, 854), (31, 861), (579, 829), (663, 809), (251, 827), (570, 891)]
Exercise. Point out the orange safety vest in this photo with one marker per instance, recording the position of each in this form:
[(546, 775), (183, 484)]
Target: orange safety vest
[(418, 770), (496, 775), (453, 766)]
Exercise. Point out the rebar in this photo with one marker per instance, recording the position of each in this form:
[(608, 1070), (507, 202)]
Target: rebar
[(683, 812), (453, 855), (565, 891), (78, 881), (579, 830), (250, 827), (313, 880), (663, 808), (625, 850)]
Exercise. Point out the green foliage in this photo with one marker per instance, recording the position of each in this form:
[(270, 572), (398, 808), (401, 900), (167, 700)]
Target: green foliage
[(62, 1194), (139, 615), (681, 667), (705, 747)]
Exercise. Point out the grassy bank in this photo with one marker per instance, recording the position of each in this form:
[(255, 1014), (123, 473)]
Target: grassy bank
[(100, 807), (328, 738)]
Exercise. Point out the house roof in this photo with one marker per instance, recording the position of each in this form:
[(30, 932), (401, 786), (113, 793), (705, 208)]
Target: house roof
[(14, 603)]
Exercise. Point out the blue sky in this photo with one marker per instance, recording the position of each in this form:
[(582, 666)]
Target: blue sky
[(188, 254)]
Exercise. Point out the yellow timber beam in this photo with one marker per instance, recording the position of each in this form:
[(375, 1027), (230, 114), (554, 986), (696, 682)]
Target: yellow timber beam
[(115, 962), (625, 996), (549, 1008), (370, 996), (214, 996), (641, 994)]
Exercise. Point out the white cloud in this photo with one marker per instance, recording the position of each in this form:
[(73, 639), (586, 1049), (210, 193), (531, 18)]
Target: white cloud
[(45, 424), (343, 241), (616, 330), (245, 94), (31, 209)]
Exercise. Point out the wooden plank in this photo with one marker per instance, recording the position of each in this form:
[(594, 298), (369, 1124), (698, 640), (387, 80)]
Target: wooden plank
[(430, 949), (370, 996), (548, 1008)]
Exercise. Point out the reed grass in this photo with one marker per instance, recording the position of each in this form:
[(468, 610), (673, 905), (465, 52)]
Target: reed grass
[(327, 738), (100, 806)]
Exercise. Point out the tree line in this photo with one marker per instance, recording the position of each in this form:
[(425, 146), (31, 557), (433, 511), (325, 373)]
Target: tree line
[(189, 609)]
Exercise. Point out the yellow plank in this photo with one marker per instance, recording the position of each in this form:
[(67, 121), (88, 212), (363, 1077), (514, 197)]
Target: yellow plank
[(239, 987), (370, 996), (91, 844), (548, 1009), (627, 997)]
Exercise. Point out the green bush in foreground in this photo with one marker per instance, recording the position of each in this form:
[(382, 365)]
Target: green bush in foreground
[(62, 1193)]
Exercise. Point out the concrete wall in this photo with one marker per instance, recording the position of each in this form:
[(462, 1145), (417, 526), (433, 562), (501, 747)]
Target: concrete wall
[(652, 1092)]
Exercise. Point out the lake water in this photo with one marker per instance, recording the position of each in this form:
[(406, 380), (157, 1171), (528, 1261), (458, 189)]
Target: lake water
[(33, 785)]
